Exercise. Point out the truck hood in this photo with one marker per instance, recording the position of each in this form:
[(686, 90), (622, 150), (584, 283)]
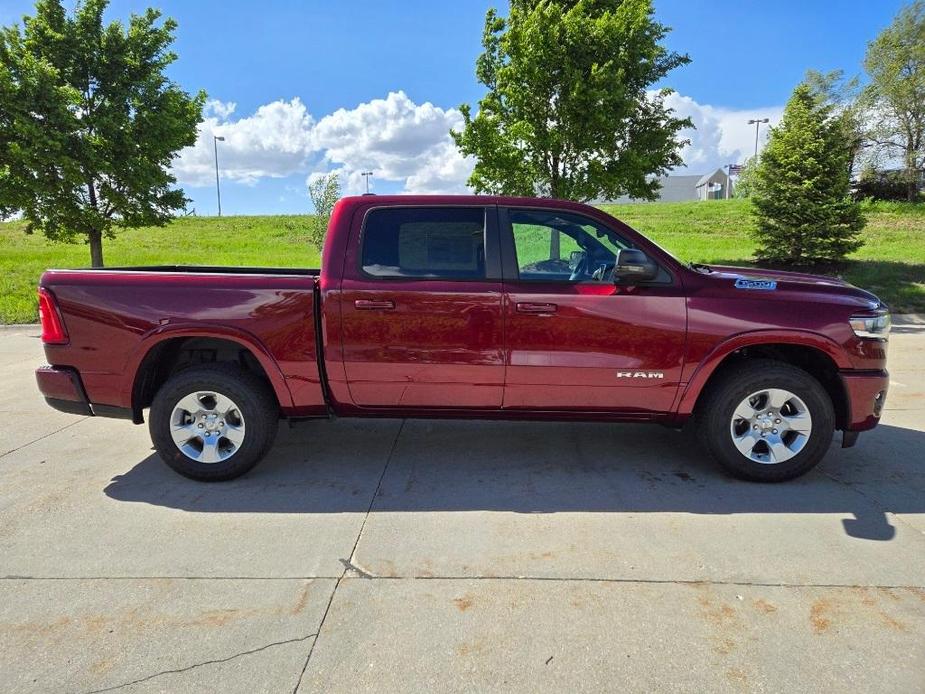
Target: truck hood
[(789, 283)]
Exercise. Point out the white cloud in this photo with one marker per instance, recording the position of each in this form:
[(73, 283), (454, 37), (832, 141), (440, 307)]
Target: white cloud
[(721, 135), (220, 109), (402, 142), (272, 143), (397, 140)]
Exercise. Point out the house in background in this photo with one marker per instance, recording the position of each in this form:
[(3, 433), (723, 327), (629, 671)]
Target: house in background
[(713, 186), (688, 187)]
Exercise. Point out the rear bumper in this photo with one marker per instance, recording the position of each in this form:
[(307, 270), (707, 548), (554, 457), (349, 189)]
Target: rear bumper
[(866, 394), (63, 390)]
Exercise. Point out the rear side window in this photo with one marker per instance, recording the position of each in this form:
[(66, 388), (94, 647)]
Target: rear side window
[(428, 243)]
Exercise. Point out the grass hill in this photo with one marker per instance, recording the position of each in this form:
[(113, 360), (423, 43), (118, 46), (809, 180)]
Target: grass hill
[(891, 263)]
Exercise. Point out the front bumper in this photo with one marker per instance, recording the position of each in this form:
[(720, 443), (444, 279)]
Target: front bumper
[(865, 393), (63, 389)]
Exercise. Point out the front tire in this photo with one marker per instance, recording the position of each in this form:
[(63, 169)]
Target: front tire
[(213, 422), (766, 421)]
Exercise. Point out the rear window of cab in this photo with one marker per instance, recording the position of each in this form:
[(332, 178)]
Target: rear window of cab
[(424, 243)]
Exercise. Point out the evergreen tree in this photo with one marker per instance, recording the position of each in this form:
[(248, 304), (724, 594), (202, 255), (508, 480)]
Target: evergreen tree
[(801, 194)]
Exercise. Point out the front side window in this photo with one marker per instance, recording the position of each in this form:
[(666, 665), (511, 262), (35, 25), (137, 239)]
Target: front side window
[(557, 246), (425, 243)]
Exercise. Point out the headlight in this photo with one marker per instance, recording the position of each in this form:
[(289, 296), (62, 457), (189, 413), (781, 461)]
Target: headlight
[(877, 326)]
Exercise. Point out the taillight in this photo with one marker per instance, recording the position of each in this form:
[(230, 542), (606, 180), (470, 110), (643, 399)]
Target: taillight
[(53, 332)]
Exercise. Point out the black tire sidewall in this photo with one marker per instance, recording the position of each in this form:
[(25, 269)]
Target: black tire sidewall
[(735, 387), (249, 393)]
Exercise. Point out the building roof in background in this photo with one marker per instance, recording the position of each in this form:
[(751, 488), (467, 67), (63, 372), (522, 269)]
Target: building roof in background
[(706, 178)]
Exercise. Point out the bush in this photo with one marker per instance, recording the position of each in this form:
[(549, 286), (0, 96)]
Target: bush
[(881, 185)]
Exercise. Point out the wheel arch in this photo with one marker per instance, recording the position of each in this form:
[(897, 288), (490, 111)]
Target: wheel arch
[(166, 352), (815, 354)]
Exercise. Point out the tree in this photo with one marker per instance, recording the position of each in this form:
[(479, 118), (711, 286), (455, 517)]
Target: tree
[(895, 63), (89, 123), (801, 196), (570, 112), (324, 190), (745, 181), (848, 109)]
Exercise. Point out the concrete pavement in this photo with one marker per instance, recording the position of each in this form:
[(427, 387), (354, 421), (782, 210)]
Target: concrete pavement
[(457, 556)]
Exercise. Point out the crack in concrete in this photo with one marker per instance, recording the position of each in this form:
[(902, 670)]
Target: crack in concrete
[(366, 576), (357, 570), (42, 438), (349, 563), (205, 662)]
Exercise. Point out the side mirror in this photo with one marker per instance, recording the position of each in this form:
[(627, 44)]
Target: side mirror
[(633, 266)]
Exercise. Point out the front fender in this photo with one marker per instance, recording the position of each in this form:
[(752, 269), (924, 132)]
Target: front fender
[(708, 365)]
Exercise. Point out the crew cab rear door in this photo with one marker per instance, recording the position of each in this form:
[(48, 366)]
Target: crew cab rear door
[(421, 309), (574, 340)]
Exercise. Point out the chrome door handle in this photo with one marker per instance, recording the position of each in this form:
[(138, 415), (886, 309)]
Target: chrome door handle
[(528, 307), (372, 305)]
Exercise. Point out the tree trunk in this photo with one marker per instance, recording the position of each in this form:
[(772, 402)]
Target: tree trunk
[(95, 235), (912, 177), (96, 248), (554, 240)]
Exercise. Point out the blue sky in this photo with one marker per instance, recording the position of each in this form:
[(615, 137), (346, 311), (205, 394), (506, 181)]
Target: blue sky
[(322, 86)]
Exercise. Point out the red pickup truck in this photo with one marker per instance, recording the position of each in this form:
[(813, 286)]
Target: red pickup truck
[(469, 306)]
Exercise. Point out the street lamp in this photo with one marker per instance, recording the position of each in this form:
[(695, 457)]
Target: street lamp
[(757, 122), (366, 175), (218, 191)]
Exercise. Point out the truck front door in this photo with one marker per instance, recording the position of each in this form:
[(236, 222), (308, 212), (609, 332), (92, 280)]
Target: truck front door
[(574, 340)]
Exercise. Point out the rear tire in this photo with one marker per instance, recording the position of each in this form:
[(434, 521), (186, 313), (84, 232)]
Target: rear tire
[(766, 421), (213, 422)]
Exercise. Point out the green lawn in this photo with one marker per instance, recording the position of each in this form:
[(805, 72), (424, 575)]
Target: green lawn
[(891, 263), (268, 241)]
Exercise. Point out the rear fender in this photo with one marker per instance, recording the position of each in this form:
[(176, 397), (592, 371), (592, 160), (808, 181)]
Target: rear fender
[(247, 340)]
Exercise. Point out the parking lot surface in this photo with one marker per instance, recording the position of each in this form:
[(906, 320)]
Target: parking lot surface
[(384, 555)]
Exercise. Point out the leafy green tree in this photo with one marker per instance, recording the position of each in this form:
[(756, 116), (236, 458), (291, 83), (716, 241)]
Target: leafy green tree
[(843, 94), (570, 112), (801, 196), (324, 190), (89, 123), (895, 62), (745, 181)]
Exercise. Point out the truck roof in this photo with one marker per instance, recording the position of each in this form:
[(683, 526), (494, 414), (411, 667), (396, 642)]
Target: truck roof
[(406, 199)]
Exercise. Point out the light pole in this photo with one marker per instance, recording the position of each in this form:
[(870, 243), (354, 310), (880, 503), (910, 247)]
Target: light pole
[(366, 175), (757, 122), (218, 191)]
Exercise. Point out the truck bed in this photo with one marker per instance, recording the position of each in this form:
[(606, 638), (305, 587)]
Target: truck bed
[(214, 269), (116, 317)]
